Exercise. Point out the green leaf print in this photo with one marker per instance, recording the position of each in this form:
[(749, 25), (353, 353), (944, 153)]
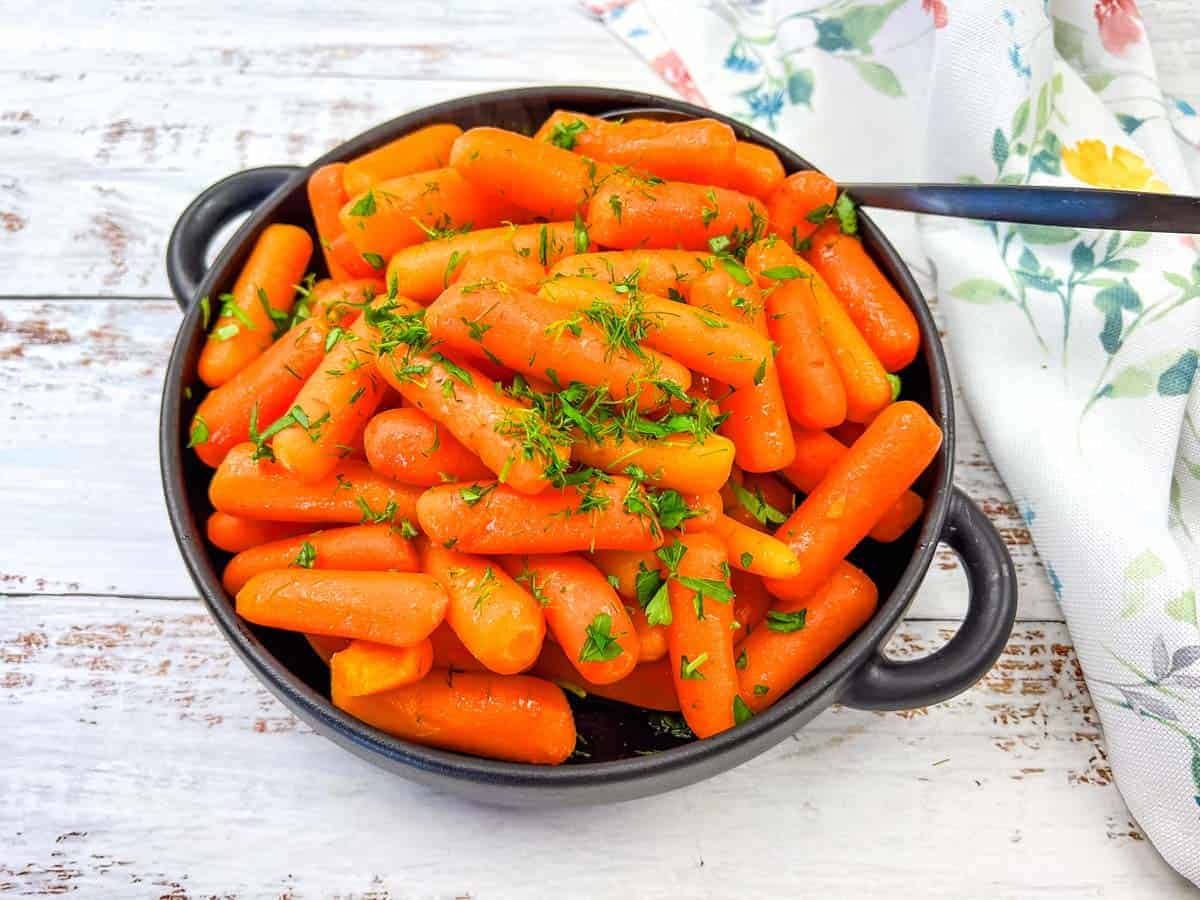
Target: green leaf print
[(1177, 380), (861, 23), (1131, 382), (1083, 256), (800, 87), (831, 36), (1145, 566), (1020, 119), (1068, 41), (999, 148), (982, 290), (879, 77), (1046, 234)]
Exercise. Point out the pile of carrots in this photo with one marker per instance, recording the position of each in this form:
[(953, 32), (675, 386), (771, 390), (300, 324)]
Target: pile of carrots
[(545, 424)]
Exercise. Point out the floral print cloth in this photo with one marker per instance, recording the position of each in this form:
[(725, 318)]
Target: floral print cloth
[(1076, 350)]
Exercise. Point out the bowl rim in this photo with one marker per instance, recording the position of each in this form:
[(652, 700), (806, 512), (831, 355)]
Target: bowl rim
[(752, 736)]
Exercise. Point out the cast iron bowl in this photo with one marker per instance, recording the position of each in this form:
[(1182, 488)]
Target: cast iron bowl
[(857, 675)]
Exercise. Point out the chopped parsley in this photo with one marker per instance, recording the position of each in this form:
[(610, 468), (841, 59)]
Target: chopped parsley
[(199, 433), (741, 712), (600, 645), (757, 506), (564, 134), (785, 622), (307, 556), (689, 670), (365, 205)]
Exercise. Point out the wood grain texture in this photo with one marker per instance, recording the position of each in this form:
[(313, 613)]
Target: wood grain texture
[(184, 775)]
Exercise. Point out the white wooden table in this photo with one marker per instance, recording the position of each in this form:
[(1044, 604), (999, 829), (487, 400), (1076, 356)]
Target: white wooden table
[(138, 757)]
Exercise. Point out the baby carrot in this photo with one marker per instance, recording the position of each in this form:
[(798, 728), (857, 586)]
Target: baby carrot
[(396, 608), (486, 517), (497, 619), (407, 210), (325, 646), (583, 612), (799, 196), (338, 303), (622, 568), (817, 452), (700, 635), (649, 685), (706, 508), (419, 151), (261, 489), (235, 534), (626, 570), (855, 493), (451, 653), (753, 551), (264, 389), (756, 171), (886, 322), (408, 446), (676, 461), (358, 547), (265, 290), (628, 213), (799, 636), (523, 272), (848, 432), (666, 273), (651, 639), (326, 197), (365, 668), (751, 600), (512, 717), (423, 271)]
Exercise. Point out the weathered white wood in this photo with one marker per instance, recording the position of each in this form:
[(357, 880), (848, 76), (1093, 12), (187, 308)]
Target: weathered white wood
[(182, 773)]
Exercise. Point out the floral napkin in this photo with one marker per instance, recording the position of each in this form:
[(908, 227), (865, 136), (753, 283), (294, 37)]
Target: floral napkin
[(1076, 350)]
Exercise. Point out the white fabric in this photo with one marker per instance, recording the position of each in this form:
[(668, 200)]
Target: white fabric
[(1075, 350)]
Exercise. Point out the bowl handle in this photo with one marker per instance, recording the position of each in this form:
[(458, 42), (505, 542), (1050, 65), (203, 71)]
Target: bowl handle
[(883, 683), (216, 206)]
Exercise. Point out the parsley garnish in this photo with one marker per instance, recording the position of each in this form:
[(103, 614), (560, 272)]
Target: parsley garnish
[(377, 518), (787, 622), (600, 645), (374, 260), (783, 273), (743, 660), (761, 372), (747, 560), (407, 530), (365, 205), (689, 670), (615, 202), (761, 689), (894, 381), (199, 434), (473, 493), (582, 241), (757, 506), (652, 594), (563, 134), (741, 712), (307, 556)]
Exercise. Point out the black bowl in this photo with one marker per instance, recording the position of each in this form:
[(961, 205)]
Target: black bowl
[(616, 737)]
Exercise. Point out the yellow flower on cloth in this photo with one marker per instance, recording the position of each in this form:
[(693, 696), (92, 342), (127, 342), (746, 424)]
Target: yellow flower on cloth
[(1090, 162)]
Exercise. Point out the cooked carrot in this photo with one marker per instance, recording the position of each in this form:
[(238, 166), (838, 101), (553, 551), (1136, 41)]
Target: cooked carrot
[(649, 685), (260, 489), (799, 636), (855, 493), (676, 461), (651, 639), (358, 547), (583, 612), (340, 302), (326, 197), (718, 292), (629, 213), (758, 500), (799, 196), (425, 270), (403, 211), (666, 273), (333, 407), (700, 636), (419, 151), (325, 646), (498, 620), (817, 453), (535, 335), (486, 517), (886, 322), (755, 552), (512, 717), (706, 509), (365, 668), (756, 170), (408, 446), (396, 608), (751, 600), (696, 150), (848, 432), (268, 280), (713, 345), (451, 653), (263, 390), (622, 568), (235, 533), (517, 271)]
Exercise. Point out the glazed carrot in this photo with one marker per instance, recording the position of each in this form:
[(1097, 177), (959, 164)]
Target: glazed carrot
[(262, 489), (758, 500), (855, 493), (753, 551), (532, 334), (756, 171), (340, 302), (400, 212), (799, 636), (359, 547), (799, 196), (649, 685), (450, 653), (325, 646), (396, 608), (583, 612), (651, 639), (717, 292), (333, 407), (817, 452), (267, 281), (662, 272), (511, 717), (544, 179), (622, 568), (365, 668), (886, 322), (235, 534), (751, 600), (848, 432), (264, 390), (711, 345), (700, 637), (326, 197), (677, 461), (696, 150), (425, 270), (628, 213), (497, 619), (517, 271), (419, 151), (408, 446), (495, 518), (706, 509)]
